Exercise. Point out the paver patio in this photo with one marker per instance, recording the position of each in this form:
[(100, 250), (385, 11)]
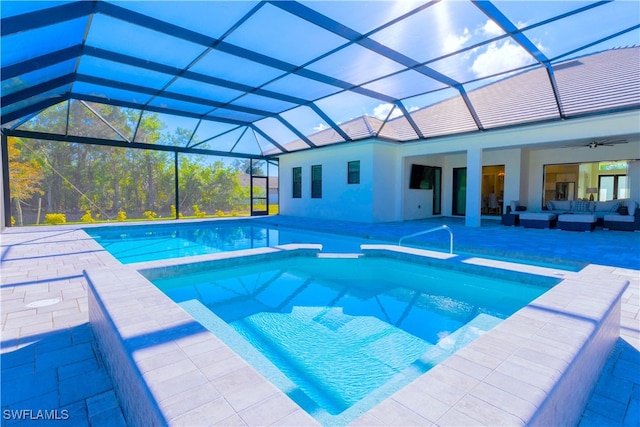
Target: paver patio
[(50, 361)]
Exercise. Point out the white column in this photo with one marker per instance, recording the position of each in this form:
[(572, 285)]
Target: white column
[(401, 187), (474, 187), (634, 180)]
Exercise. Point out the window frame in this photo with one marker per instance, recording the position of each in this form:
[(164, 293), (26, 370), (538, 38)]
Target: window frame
[(352, 178), (316, 182), (296, 182)]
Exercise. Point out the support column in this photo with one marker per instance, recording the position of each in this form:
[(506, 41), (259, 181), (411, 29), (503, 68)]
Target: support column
[(5, 215), (176, 183), (474, 187)]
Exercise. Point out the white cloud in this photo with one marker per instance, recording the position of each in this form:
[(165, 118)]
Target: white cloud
[(452, 42), (382, 111), (490, 28), (320, 127), (498, 57)]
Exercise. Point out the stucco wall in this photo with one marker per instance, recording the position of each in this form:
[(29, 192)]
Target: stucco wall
[(383, 193), (375, 199), (539, 158), (417, 203), (384, 177)]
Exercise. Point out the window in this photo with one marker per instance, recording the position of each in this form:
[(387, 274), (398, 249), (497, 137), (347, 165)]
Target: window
[(297, 183), (582, 181), (612, 187), (316, 181), (353, 172)]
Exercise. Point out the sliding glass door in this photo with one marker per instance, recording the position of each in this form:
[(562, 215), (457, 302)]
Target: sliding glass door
[(612, 187), (459, 206)]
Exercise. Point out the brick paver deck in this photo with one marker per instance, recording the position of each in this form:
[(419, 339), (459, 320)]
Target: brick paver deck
[(52, 369)]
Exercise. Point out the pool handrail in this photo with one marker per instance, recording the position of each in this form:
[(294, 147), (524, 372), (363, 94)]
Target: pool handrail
[(440, 227)]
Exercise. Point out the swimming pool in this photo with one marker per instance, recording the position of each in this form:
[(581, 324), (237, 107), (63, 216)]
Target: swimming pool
[(132, 244), (339, 335)]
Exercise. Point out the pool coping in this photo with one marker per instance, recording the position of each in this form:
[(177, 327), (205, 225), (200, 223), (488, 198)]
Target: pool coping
[(537, 367)]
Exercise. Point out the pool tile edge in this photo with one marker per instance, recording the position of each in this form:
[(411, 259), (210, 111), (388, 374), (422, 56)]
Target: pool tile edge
[(590, 344), (543, 373), (129, 334)]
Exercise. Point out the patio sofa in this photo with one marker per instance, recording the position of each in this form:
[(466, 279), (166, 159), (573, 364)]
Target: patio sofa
[(624, 219), (610, 208), (512, 216)]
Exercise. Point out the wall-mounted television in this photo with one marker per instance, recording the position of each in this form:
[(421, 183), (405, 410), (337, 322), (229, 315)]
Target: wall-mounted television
[(422, 177)]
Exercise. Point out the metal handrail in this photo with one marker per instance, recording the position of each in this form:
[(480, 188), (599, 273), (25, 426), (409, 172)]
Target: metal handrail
[(441, 227)]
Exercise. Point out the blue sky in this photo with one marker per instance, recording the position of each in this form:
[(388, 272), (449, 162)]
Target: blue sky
[(452, 37)]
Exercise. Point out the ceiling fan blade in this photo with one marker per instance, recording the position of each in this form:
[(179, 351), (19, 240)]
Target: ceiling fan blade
[(614, 142)]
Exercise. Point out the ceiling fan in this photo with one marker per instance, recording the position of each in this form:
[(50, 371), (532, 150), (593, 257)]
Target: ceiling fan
[(594, 143)]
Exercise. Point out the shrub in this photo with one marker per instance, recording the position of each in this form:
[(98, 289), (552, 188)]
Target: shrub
[(122, 215), (55, 218), (150, 214), (197, 212), (173, 212), (87, 217), (219, 213), (13, 221)]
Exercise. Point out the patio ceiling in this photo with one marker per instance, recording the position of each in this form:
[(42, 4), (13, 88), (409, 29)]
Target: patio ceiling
[(254, 79)]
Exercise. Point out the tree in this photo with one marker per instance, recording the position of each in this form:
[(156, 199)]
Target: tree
[(25, 176), (244, 166), (226, 189)]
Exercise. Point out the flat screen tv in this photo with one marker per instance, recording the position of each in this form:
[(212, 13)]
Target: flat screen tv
[(422, 177)]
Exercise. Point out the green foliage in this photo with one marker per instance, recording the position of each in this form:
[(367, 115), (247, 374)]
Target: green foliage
[(248, 166), (121, 182), (87, 217), (219, 213), (150, 214), (55, 218)]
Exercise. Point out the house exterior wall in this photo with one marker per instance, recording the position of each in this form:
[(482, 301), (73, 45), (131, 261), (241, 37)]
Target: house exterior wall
[(384, 195), (374, 199), (384, 177), (417, 204), (540, 158)]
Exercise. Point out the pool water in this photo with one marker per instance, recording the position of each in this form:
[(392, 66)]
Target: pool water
[(339, 335), (131, 244)]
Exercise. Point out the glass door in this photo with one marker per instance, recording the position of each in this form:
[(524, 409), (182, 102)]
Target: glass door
[(459, 206), (612, 187), (437, 190), (259, 191)]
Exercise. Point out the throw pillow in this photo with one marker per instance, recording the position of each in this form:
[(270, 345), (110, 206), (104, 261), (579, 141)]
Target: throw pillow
[(581, 206), (623, 210), (520, 208), (514, 205), (550, 206)]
